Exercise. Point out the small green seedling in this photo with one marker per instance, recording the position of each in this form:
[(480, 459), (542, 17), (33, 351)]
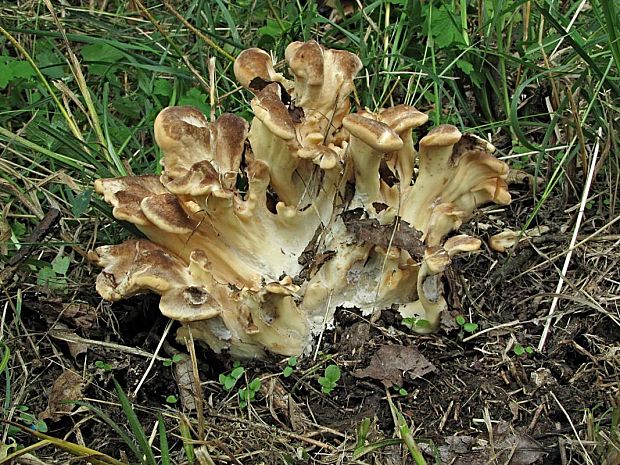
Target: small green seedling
[(103, 365), (330, 379), (416, 323), (31, 420), (519, 350), (247, 394), (172, 399), (176, 358), (290, 367), (229, 380), (467, 327)]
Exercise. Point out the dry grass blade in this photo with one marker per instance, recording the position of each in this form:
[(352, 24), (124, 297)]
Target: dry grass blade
[(584, 197), (77, 450)]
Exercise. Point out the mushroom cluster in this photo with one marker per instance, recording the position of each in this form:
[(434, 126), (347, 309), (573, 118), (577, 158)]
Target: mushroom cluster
[(257, 234)]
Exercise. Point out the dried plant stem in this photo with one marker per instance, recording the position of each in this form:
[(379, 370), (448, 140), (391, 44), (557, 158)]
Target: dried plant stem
[(573, 241), (153, 358), (572, 425)]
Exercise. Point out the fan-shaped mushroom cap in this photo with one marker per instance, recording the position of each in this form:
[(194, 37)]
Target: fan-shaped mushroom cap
[(461, 243), (126, 194), (402, 118), (166, 213), (138, 266), (377, 135), (305, 60), (200, 158), (254, 63), (269, 109)]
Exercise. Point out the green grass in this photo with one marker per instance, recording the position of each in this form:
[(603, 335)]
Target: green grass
[(80, 89)]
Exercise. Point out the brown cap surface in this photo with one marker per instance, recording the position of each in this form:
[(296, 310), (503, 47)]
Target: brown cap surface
[(165, 212), (441, 136), (125, 195), (377, 135), (270, 110), (403, 117), (253, 63)]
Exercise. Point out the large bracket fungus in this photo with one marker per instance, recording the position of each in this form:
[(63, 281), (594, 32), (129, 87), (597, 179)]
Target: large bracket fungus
[(255, 234)]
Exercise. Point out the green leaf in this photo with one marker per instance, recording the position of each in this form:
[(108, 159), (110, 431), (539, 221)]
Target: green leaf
[(292, 362), (41, 426), (443, 27), (81, 202), (127, 106), (470, 327), (229, 383), (465, 66), (162, 87), (237, 372), (460, 320), (22, 69), (255, 385), (195, 98), (19, 229), (273, 29), (12, 69), (102, 57), (288, 371), (60, 264), (422, 324), (46, 276), (326, 385), (332, 372), (518, 349), (172, 399), (51, 64)]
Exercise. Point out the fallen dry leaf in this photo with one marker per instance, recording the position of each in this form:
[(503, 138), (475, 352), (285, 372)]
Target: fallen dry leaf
[(281, 404), (184, 375), (80, 313), (391, 362), (514, 447), (77, 348), (372, 232), (67, 387), (508, 446)]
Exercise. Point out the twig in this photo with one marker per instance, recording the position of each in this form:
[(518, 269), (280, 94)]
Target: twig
[(570, 422), (573, 241), (38, 233), (493, 328), (153, 358), (68, 336)]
